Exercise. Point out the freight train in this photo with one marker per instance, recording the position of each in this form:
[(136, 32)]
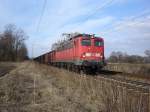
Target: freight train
[(80, 52)]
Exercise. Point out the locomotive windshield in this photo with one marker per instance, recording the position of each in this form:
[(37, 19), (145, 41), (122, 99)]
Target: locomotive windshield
[(99, 43), (86, 42)]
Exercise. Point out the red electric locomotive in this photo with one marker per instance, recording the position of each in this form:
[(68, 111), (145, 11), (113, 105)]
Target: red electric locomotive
[(79, 52)]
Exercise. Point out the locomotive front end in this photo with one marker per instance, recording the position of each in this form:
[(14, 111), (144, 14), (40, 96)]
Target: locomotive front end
[(92, 52)]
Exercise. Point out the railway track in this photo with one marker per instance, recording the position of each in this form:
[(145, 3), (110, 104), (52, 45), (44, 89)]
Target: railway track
[(5, 70), (131, 84), (112, 76)]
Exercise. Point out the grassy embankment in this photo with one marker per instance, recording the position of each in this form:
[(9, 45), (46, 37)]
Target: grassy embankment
[(33, 87)]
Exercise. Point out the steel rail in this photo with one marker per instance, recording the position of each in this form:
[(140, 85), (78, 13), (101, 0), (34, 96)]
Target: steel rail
[(133, 83)]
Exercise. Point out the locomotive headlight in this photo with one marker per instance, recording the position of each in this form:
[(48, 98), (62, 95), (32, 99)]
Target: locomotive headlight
[(88, 54), (83, 55), (101, 56), (98, 55)]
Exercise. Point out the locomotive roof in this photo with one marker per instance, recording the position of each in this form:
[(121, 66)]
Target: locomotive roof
[(86, 35)]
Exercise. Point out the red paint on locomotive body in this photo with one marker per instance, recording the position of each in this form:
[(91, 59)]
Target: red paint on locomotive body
[(93, 52), (85, 48)]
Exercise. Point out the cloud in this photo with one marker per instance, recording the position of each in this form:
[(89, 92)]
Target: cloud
[(129, 35), (66, 13), (87, 16), (92, 25), (67, 16), (121, 34)]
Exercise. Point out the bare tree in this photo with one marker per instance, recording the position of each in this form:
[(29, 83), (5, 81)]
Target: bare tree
[(147, 58), (117, 56), (12, 44), (147, 52), (120, 57)]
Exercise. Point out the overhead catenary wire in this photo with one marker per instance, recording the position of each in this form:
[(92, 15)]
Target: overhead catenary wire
[(98, 9), (121, 21), (41, 16), (105, 4), (37, 29), (133, 18)]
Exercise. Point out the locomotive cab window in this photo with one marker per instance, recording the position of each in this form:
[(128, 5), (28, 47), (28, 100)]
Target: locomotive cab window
[(98, 43), (86, 42)]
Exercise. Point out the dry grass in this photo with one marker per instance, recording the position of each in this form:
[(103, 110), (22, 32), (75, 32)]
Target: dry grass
[(130, 68), (139, 72), (58, 90)]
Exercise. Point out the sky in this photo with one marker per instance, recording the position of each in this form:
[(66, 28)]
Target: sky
[(124, 24)]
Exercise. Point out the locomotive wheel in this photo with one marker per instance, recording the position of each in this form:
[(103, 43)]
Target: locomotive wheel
[(93, 71), (76, 69), (89, 70), (69, 67), (72, 67), (82, 72)]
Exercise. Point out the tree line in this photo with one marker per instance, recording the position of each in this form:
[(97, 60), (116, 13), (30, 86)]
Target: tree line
[(121, 57), (12, 44)]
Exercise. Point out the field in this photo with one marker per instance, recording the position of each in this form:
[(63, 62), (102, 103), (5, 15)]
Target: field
[(139, 72), (33, 87)]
